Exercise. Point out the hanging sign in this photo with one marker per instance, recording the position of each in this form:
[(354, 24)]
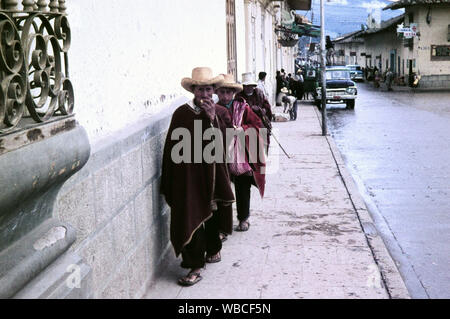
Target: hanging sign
[(408, 32)]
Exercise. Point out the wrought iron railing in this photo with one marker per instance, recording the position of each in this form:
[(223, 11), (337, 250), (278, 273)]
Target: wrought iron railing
[(34, 70)]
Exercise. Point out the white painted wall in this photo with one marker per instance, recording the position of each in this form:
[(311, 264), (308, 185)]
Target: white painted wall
[(241, 38), (434, 33), (128, 57), (257, 53), (348, 48), (431, 34)]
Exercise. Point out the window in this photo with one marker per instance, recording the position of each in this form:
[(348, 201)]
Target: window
[(231, 38), (34, 67), (337, 75)]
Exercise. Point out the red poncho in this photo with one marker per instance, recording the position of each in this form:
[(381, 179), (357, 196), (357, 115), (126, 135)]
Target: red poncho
[(248, 121)]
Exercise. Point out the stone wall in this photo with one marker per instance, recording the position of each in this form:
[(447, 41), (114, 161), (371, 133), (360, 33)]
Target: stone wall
[(122, 222), (435, 81)]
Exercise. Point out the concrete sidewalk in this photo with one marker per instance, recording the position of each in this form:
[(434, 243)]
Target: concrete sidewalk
[(310, 237)]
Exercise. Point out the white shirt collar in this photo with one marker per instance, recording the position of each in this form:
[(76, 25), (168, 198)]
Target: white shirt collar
[(191, 104)]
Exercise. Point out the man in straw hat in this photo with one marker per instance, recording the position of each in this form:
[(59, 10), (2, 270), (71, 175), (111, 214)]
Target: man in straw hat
[(247, 162), (198, 191), (257, 101)]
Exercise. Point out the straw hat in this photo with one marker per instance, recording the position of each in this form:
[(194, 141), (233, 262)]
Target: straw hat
[(284, 90), (247, 79), (201, 76), (230, 83), (299, 71)]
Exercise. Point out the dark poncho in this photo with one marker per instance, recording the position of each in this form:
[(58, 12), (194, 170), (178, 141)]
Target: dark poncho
[(193, 190)]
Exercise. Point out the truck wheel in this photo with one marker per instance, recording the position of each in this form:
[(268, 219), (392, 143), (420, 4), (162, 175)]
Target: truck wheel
[(350, 104)]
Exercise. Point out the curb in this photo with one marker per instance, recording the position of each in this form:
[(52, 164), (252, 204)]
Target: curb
[(390, 274)]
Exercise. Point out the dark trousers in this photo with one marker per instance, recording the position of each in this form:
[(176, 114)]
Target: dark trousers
[(205, 240), (293, 112), (242, 185)]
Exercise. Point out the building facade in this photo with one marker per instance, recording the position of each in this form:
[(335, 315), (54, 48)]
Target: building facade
[(348, 49), (426, 52), (382, 47)]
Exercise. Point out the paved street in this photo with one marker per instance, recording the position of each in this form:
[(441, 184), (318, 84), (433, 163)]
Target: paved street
[(306, 238), (396, 145)]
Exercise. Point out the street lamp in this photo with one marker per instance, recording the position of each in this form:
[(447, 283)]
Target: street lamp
[(323, 69)]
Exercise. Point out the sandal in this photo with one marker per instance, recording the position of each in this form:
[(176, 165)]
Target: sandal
[(214, 258), (190, 279), (223, 237), (243, 226)]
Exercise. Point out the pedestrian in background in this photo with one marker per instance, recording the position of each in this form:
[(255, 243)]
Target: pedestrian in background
[(285, 100), (280, 85), (258, 103), (291, 82), (262, 83), (300, 85), (199, 193), (389, 79)]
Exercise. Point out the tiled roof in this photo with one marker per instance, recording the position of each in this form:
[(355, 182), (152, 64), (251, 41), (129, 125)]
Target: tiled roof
[(349, 37), (405, 3)]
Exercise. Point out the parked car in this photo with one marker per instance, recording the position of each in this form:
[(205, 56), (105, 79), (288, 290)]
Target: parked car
[(356, 72), (340, 88)]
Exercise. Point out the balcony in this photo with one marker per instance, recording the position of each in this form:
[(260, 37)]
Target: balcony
[(298, 4), (35, 39)]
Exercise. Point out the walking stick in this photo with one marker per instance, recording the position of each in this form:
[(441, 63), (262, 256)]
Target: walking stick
[(276, 140), (268, 125)]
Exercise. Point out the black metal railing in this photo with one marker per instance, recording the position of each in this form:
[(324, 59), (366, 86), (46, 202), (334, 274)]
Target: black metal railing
[(34, 71)]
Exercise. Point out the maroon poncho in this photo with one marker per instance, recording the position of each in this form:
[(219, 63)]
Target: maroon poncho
[(257, 98), (193, 190), (251, 121)]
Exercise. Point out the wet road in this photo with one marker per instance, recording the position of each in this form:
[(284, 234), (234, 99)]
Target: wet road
[(397, 147)]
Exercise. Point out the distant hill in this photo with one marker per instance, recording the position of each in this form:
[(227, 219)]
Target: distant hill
[(344, 16)]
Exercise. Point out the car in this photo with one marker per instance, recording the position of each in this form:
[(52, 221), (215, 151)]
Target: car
[(340, 88), (356, 72)]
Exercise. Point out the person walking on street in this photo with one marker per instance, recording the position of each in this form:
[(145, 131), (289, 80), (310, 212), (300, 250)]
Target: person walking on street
[(258, 103), (389, 79), (246, 166), (377, 78), (198, 191)]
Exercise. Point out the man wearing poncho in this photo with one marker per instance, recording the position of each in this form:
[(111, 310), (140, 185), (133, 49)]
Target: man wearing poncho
[(247, 165), (198, 191)]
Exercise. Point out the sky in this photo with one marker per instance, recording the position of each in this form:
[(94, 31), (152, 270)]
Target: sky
[(344, 16)]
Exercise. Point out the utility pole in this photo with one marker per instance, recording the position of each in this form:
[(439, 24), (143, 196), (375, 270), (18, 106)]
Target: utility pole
[(323, 69)]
